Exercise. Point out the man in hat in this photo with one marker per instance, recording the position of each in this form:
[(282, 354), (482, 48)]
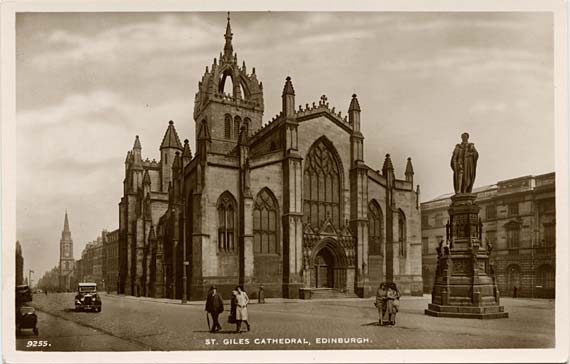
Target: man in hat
[(214, 306)]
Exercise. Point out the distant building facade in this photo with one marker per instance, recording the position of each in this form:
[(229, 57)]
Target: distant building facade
[(19, 264), (91, 266), (111, 260), (291, 205), (519, 221), (66, 260)]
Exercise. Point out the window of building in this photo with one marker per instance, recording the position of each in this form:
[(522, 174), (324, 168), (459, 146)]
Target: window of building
[(402, 234), (375, 229), (425, 220), (549, 234), (513, 208), (513, 235), (237, 125), (322, 185), (226, 222), (425, 245), (491, 237), (228, 127), (491, 212), (247, 123), (438, 220), (265, 221)]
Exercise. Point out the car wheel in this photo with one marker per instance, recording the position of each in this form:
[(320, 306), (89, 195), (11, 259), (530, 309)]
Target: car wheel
[(36, 331), (99, 309)]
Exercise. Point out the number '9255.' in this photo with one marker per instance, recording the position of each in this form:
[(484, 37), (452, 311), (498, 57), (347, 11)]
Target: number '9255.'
[(37, 344)]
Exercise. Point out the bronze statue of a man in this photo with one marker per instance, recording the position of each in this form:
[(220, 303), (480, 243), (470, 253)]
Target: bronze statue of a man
[(464, 164)]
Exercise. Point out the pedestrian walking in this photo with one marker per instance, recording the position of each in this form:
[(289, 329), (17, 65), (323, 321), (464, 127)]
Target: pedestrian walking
[(261, 295), (214, 306), (233, 306), (380, 303), (241, 309), (515, 291), (393, 302)]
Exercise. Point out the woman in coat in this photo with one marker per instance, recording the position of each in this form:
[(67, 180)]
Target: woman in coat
[(241, 310), (393, 298), (233, 307), (380, 303)]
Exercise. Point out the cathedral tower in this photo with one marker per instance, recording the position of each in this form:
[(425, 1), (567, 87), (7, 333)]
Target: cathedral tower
[(66, 261), (228, 98)]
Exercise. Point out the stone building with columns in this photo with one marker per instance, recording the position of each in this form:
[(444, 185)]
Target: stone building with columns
[(290, 205)]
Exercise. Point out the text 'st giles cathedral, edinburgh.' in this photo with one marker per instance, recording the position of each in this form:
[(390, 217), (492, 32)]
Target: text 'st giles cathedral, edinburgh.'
[(290, 206)]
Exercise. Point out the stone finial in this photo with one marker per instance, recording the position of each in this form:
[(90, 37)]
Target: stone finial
[(354, 105), (387, 164)]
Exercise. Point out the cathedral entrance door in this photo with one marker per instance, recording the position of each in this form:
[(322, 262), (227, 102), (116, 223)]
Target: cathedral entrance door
[(324, 269)]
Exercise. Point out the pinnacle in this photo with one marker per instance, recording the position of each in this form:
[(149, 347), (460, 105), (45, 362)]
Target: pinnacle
[(137, 144), (288, 88), (354, 105), (170, 139), (387, 164), (409, 167)]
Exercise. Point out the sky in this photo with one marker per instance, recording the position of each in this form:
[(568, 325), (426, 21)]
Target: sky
[(87, 83)]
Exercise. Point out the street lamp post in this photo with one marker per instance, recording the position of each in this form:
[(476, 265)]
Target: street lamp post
[(184, 258), (30, 278)]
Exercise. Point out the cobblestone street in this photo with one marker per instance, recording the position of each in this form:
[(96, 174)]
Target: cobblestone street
[(167, 325)]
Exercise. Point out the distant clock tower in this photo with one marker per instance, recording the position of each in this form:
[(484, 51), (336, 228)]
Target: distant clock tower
[(66, 261)]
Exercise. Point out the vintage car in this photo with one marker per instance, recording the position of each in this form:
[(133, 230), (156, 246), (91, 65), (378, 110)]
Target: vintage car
[(26, 318), (23, 294), (87, 297)]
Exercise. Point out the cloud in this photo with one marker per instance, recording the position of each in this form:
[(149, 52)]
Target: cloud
[(134, 41), (483, 108)]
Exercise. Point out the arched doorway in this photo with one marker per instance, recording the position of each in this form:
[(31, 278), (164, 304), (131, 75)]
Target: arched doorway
[(329, 265), (324, 269)]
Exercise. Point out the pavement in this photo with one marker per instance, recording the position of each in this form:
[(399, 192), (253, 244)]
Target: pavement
[(140, 323)]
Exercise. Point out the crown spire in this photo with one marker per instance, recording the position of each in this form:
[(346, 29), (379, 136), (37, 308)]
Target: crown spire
[(228, 48)]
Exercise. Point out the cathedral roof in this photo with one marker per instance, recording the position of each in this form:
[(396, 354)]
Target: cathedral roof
[(171, 139), (211, 86)]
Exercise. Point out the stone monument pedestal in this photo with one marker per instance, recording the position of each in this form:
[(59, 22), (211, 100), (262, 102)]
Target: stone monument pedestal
[(465, 284)]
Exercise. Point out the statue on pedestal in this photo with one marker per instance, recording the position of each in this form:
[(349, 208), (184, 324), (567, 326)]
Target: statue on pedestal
[(464, 164)]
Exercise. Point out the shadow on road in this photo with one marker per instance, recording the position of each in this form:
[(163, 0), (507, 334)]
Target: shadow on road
[(375, 323), (69, 310), (219, 332)]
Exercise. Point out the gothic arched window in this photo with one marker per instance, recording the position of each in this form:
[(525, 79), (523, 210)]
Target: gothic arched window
[(247, 123), (265, 222), (237, 125), (228, 127), (226, 222), (375, 229), (322, 185), (402, 233)]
